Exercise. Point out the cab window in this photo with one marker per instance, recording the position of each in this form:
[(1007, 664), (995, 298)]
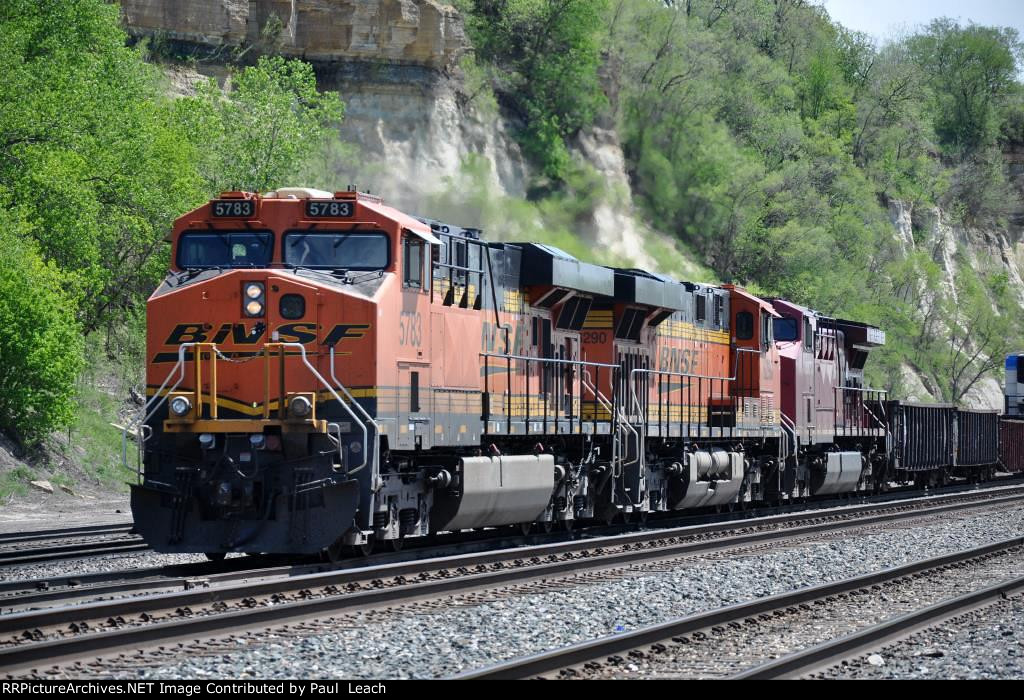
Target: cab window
[(785, 329), (336, 250), (412, 262), (208, 249), (744, 325)]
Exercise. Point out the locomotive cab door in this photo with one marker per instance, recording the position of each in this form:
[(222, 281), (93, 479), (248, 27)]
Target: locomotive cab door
[(414, 410)]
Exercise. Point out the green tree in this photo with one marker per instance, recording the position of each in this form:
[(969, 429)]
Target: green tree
[(971, 71), (547, 54), (89, 156), (41, 347), (262, 128), (968, 333)]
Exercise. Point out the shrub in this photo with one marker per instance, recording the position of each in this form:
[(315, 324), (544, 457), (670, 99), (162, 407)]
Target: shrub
[(41, 343)]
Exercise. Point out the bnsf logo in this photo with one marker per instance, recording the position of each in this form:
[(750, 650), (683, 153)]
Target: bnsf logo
[(239, 334)]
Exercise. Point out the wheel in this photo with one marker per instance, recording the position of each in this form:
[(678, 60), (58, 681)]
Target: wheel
[(547, 526), (216, 556), (567, 525), (640, 516), (365, 549), (525, 528), (397, 544), (333, 554)]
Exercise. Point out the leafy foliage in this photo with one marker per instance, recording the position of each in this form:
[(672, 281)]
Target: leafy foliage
[(96, 161), (41, 347), (89, 157), (264, 129), (546, 55), (970, 70)]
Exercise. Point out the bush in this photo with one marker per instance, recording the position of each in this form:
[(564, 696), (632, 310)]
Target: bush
[(41, 343)]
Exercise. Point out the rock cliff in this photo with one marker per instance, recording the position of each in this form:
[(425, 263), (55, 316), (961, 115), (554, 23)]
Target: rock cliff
[(419, 32)]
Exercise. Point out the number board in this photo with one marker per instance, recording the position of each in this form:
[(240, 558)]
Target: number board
[(331, 209), (234, 208)]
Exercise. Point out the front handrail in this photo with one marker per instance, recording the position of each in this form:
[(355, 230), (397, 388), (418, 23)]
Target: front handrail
[(789, 426), (363, 411), (882, 395), (305, 360), (620, 420), (162, 393)]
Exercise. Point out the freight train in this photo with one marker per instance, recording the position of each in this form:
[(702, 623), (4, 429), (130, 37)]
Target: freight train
[(327, 374)]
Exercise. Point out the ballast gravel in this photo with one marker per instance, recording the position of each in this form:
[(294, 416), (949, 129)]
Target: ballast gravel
[(455, 638), (983, 644), (96, 564)]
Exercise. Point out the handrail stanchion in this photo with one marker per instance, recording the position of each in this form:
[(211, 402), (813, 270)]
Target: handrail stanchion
[(213, 382), (158, 399), (266, 382)]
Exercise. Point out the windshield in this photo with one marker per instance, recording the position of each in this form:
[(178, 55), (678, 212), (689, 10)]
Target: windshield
[(337, 251), (225, 249), (785, 329)]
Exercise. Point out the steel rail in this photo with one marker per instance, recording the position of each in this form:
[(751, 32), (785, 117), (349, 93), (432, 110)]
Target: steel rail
[(85, 531), (27, 655), (550, 662), (36, 555), (830, 653)]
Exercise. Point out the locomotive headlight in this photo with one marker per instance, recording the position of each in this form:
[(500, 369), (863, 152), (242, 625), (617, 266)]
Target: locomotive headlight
[(300, 406), (180, 406), (253, 297)]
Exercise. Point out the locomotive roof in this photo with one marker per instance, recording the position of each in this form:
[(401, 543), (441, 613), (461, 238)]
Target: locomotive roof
[(642, 287), (757, 300), (368, 201), (544, 265)]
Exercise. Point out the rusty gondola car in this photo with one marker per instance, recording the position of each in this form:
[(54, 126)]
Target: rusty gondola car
[(1011, 445)]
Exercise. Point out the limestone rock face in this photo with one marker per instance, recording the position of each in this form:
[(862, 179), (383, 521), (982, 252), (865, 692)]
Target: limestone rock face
[(417, 32), (213, 22)]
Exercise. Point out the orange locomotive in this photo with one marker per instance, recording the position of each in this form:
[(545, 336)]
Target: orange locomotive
[(326, 371)]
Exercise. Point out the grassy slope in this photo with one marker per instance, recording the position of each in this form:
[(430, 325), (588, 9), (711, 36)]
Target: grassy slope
[(86, 457)]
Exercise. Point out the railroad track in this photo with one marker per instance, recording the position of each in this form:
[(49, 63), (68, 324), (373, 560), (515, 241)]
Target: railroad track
[(24, 593), (88, 530), (31, 548), (36, 640), (730, 642), (826, 654), (41, 546)]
